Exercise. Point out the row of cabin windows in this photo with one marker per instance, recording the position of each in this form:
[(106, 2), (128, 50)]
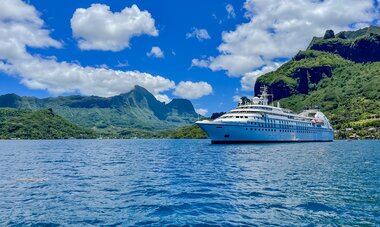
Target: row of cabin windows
[(274, 125), (282, 126), (288, 123), (275, 130), (301, 125)]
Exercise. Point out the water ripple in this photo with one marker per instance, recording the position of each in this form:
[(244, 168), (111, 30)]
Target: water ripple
[(188, 183)]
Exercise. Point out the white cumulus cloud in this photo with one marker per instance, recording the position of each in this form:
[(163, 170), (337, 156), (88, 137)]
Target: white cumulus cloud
[(201, 63), (200, 34), (155, 52), (201, 111), (248, 81), (192, 90), (163, 98), (19, 30), (98, 28), (279, 29), (64, 77)]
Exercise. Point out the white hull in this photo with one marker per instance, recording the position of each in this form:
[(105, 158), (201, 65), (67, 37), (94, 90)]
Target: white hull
[(230, 132)]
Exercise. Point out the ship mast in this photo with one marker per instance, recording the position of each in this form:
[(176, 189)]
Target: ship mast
[(264, 95)]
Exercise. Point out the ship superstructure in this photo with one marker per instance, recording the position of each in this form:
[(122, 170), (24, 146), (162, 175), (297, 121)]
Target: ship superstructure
[(254, 120)]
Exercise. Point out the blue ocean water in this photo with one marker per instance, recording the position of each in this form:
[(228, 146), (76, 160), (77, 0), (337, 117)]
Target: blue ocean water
[(188, 182)]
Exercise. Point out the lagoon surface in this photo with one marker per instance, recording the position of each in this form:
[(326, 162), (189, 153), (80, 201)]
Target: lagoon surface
[(178, 182)]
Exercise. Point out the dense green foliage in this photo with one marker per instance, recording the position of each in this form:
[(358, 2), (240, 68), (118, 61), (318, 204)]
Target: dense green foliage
[(352, 94), (304, 59), (301, 74), (187, 132), (348, 92), (41, 124)]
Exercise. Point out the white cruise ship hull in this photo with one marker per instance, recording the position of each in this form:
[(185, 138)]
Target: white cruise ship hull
[(230, 132)]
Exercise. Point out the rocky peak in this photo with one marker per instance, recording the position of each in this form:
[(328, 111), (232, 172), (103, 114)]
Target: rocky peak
[(182, 106), (359, 46)]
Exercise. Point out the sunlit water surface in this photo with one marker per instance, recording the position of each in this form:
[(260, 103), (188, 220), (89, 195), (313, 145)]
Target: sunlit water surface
[(179, 182)]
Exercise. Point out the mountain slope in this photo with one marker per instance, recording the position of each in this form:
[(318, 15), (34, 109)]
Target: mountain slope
[(41, 124), (342, 75), (135, 109)]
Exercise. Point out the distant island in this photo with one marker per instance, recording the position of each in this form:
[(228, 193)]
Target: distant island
[(340, 73), (136, 114)]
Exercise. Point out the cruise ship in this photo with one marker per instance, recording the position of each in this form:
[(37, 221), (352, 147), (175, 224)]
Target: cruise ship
[(255, 121)]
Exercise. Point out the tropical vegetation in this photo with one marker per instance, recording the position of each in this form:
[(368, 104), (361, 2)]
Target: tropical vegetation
[(41, 124)]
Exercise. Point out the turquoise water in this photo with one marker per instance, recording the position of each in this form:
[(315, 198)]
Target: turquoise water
[(178, 182)]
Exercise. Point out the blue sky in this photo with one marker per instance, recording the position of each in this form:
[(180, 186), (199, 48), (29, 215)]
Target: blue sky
[(208, 51)]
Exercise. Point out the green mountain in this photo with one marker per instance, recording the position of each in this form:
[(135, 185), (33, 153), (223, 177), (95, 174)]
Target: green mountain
[(41, 124), (341, 74), (358, 46), (137, 109)]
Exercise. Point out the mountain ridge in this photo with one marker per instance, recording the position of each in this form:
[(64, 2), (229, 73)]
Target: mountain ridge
[(135, 109), (358, 46)]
